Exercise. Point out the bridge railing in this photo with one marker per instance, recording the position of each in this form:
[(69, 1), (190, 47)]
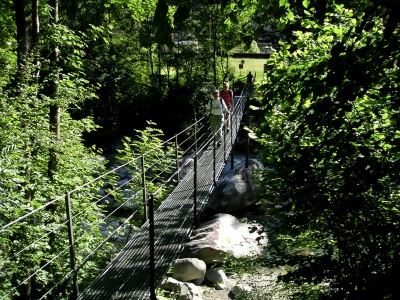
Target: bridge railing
[(60, 232)]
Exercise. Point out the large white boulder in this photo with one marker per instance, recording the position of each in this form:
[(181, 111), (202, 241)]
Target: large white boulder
[(224, 236)]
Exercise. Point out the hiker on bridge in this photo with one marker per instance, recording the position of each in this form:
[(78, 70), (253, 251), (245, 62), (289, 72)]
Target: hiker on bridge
[(216, 108), (250, 78), (227, 96), (250, 81)]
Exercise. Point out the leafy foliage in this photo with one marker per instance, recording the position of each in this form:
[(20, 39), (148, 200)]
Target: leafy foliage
[(30, 259), (331, 137), (158, 158)]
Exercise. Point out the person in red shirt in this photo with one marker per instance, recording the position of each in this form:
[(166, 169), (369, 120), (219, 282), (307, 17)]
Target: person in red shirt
[(227, 95)]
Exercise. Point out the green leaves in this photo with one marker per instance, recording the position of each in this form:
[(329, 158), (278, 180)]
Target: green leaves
[(330, 132), (290, 15), (306, 3), (158, 159)]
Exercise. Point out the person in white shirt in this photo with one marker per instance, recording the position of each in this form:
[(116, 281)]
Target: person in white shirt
[(216, 106)]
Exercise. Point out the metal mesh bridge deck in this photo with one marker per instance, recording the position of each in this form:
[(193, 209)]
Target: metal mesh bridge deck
[(129, 275)]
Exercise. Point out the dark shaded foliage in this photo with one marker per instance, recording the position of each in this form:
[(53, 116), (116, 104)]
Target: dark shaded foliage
[(332, 124)]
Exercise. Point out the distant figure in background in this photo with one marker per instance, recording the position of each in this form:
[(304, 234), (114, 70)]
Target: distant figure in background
[(216, 107), (249, 78), (227, 96)]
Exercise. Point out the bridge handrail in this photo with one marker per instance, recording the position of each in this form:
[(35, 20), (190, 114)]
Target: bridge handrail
[(200, 142)]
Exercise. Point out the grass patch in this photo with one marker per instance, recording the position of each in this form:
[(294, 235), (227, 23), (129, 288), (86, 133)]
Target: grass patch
[(255, 65)]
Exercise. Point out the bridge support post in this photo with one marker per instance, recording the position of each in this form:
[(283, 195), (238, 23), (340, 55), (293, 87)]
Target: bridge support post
[(214, 162), (195, 177), (177, 158), (248, 126), (232, 143), (75, 293), (224, 136), (145, 213), (152, 264)]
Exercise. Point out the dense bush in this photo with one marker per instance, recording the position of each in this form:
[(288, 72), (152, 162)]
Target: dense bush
[(331, 138)]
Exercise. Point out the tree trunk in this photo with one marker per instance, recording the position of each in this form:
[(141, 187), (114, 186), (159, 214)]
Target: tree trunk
[(55, 110), (177, 62), (21, 21), (54, 123), (30, 192), (151, 60), (159, 66), (35, 23), (35, 39), (214, 25)]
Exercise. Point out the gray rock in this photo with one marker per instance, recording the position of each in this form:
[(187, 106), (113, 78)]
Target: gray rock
[(123, 173), (238, 159), (105, 233), (236, 190), (114, 224), (188, 269), (198, 281), (172, 284), (216, 276), (123, 183), (128, 194), (189, 292), (103, 227), (239, 289)]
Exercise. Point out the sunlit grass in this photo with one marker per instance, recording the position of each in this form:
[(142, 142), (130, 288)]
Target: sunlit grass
[(254, 65)]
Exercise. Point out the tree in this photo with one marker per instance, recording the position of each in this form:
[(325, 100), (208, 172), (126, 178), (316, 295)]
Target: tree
[(21, 20), (156, 162), (330, 138), (41, 150), (55, 109)]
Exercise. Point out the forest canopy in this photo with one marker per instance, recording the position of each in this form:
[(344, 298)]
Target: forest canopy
[(77, 76)]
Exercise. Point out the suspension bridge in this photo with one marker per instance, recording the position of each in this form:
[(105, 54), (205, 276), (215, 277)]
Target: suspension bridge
[(140, 266)]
